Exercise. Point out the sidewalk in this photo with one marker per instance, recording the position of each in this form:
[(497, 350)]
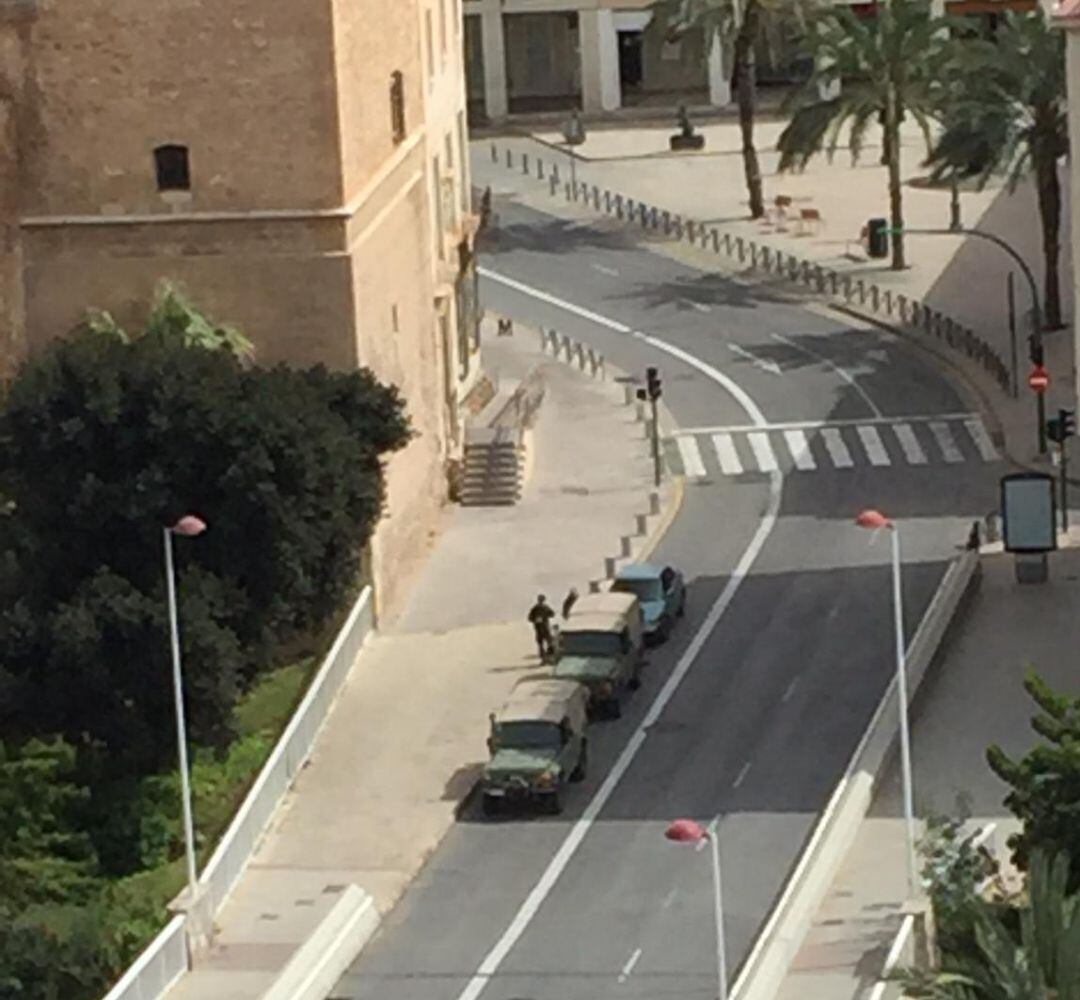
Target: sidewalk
[(404, 742), (1007, 628), (965, 278)]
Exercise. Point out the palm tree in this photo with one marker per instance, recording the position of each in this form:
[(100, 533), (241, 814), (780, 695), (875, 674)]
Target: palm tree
[(889, 65), (1010, 117), (1041, 963), (738, 25)]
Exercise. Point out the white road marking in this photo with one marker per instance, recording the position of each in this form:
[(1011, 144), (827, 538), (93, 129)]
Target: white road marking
[(730, 464), (912, 449), (842, 372), (669, 899), (763, 452), (606, 270), (629, 967), (800, 450), (742, 775), (977, 430), (767, 366), (528, 910), (838, 451), (699, 306), (813, 425), (945, 442), (875, 448), (691, 457), (790, 689), (554, 300)]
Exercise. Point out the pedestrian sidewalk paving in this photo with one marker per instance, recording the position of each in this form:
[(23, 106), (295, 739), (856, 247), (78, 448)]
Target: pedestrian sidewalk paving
[(825, 446), (970, 700), (403, 745)]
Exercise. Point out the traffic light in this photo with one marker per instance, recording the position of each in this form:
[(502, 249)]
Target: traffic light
[(652, 379), (1067, 419), (1062, 427)]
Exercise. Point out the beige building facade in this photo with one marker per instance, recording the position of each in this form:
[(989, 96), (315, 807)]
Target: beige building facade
[(299, 175)]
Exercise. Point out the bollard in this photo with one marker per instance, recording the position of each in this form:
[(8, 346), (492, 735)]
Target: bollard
[(888, 301), (765, 258), (555, 172), (654, 503), (539, 168), (566, 188), (626, 549), (543, 340), (630, 208), (690, 230), (639, 411), (642, 523), (609, 567), (618, 206), (607, 200), (629, 394), (524, 163), (648, 424), (594, 586), (596, 197), (740, 245), (581, 355), (567, 346), (667, 222), (509, 158), (494, 153), (727, 243), (716, 241), (553, 181)]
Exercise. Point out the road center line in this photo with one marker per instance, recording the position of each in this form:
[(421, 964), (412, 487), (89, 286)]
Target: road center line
[(790, 690), (529, 908), (606, 270), (742, 775), (669, 899), (629, 967), (842, 372)]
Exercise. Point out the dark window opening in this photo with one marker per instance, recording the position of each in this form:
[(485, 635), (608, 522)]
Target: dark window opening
[(397, 105), (173, 172)]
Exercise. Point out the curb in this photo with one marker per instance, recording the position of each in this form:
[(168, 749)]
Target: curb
[(667, 518)]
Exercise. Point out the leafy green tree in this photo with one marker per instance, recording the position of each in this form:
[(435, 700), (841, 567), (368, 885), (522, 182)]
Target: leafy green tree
[(103, 441), (44, 857), (1045, 782), (890, 66), (1040, 962), (1009, 116), (739, 25)]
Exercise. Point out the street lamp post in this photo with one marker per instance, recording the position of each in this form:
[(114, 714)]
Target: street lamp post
[(688, 831), (188, 526), (875, 521), (1036, 312)]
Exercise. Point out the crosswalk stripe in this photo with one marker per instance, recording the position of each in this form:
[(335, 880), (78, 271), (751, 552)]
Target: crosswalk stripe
[(875, 449), (910, 443), (982, 440), (730, 464), (763, 452), (800, 450), (945, 442), (691, 457), (838, 451)]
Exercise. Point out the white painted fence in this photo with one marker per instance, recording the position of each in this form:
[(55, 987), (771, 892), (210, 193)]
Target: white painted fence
[(167, 957)]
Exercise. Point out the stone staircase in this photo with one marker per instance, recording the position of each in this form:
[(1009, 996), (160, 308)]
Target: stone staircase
[(492, 469)]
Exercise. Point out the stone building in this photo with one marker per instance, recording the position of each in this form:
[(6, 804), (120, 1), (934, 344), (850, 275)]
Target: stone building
[(300, 169)]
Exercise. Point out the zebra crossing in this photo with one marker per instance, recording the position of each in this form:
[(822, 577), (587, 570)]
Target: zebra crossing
[(938, 440)]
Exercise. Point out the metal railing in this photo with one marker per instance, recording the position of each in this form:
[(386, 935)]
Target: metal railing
[(155, 971)]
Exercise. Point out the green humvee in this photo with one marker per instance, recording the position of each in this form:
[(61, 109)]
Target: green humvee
[(602, 646), (537, 744)]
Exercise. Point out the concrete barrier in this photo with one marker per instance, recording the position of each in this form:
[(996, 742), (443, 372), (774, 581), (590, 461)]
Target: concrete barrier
[(157, 969), (323, 958), (767, 964)]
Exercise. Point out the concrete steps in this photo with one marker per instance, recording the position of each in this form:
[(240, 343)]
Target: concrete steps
[(492, 469)]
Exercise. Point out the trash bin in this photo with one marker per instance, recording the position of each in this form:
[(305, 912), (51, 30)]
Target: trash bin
[(877, 237)]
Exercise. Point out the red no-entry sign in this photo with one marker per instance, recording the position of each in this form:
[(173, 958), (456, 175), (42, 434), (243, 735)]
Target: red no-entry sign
[(1039, 379)]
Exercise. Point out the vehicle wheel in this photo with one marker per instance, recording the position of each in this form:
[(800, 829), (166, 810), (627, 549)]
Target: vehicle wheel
[(682, 605), (578, 774), (635, 682), (552, 803), (665, 629), (614, 707), (491, 805)]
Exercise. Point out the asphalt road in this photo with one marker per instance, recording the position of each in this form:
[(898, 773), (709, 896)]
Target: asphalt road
[(771, 701)]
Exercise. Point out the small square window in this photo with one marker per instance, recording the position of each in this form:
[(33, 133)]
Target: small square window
[(171, 166)]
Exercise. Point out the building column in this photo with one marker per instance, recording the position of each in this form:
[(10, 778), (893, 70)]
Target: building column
[(494, 41), (719, 77), (601, 89)]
